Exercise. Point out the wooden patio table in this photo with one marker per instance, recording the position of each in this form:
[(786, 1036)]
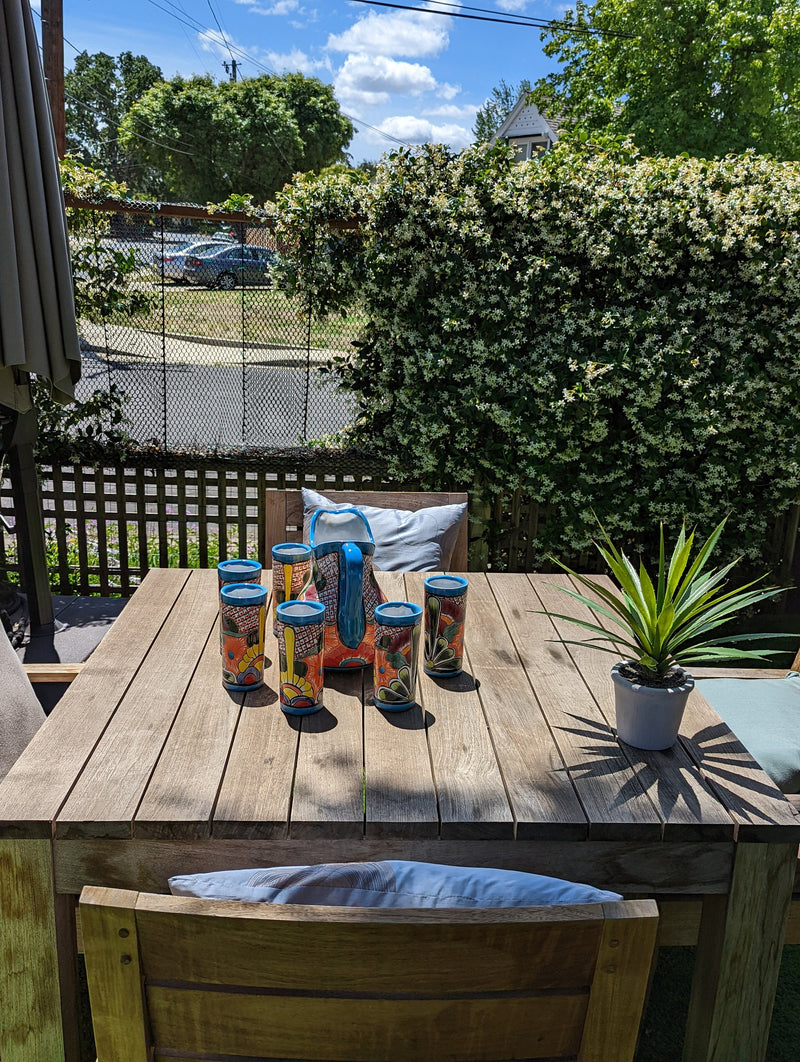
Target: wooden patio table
[(148, 767)]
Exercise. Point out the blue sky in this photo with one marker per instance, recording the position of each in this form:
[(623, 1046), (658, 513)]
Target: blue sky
[(412, 75)]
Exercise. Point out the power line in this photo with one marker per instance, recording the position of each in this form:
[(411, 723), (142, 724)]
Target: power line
[(224, 39), (140, 136), (108, 99), (503, 20)]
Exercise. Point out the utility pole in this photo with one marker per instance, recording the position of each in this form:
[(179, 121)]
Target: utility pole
[(53, 63), (230, 69)]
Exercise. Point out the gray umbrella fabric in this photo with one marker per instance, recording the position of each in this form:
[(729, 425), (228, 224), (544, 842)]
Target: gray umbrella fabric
[(38, 333)]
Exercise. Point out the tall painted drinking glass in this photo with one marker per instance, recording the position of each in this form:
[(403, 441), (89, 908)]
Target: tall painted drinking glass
[(292, 571), (238, 570), (301, 643), (243, 610), (445, 612), (397, 629)]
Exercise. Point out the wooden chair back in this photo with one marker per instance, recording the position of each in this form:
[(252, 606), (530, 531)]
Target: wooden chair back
[(221, 980), (284, 514)]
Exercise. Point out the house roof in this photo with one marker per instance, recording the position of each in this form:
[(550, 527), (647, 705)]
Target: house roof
[(525, 119)]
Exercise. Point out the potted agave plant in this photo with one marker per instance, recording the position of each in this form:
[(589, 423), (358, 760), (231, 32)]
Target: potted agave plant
[(663, 627)]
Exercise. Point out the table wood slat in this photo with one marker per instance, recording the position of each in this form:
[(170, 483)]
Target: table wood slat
[(39, 783), (759, 811), (328, 798), (687, 806), (472, 798), (256, 790), (542, 795), (108, 792), (201, 734), (616, 805), (400, 798), (626, 866)]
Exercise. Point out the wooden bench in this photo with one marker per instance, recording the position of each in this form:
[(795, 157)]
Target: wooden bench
[(217, 980)]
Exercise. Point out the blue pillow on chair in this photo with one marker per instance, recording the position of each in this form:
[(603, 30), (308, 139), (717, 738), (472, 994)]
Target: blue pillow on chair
[(765, 715), (390, 883)]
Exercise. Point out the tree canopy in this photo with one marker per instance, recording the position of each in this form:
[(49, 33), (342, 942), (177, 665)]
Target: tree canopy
[(496, 108), (209, 140), (99, 90), (707, 77)]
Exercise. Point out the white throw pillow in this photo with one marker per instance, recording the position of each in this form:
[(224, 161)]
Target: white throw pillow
[(420, 541), (392, 883), (21, 715)]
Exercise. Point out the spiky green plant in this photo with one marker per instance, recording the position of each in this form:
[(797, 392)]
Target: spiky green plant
[(665, 622)]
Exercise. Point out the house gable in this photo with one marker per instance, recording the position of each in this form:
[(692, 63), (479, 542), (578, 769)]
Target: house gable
[(526, 130)]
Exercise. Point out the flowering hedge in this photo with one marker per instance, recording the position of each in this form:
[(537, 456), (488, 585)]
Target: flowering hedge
[(611, 334)]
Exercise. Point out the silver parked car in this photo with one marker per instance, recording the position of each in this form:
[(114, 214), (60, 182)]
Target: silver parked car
[(240, 264), (173, 260)]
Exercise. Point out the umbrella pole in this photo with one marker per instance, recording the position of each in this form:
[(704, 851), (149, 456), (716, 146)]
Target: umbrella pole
[(29, 522)]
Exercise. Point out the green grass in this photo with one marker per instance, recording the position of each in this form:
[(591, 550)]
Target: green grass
[(664, 1020), (264, 315)]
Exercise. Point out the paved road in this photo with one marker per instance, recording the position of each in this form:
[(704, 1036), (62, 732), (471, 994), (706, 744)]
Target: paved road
[(215, 394)]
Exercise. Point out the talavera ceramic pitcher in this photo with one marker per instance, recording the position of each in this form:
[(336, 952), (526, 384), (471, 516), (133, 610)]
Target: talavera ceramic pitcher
[(344, 582)]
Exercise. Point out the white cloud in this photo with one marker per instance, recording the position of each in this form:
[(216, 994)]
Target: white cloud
[(416, 130), (452, 110), (213, 41), (295, 60), (448, 92), (399, 33), (516, 6), (278, 7), (369, 80)]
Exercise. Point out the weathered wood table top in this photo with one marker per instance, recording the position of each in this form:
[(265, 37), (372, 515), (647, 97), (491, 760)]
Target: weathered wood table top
[(149, 767)]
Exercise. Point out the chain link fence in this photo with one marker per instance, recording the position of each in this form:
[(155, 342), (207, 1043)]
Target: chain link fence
[(211, 354)]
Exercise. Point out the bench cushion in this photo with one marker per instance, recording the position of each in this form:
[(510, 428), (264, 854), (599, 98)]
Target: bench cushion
[(765, 715), (391, 883), (419, 541), (21, 715)]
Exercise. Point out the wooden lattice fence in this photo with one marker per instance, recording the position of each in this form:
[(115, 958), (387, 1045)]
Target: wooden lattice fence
[(108, 523)]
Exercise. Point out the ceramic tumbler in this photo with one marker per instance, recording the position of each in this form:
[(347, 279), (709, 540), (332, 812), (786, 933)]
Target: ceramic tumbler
[(445, 612), (292, 571), (238, 570), (243, 610), (397, 629), (301, 642)]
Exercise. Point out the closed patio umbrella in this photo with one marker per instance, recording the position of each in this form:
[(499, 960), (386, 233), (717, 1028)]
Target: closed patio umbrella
[(38, 332)]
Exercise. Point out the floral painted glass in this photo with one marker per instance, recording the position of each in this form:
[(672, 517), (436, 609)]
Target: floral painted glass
[(238, 570), (445, 612), (301, 640), (243, 610), (292, 570), (397, 629)]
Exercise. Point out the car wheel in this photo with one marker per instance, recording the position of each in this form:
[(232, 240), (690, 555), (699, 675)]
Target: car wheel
[(227, 282)]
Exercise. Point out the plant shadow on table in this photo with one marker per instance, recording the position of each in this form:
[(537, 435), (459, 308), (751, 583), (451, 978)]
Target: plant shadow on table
[(661, 1038)]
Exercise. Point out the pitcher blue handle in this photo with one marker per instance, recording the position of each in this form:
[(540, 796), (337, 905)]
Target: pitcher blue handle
[(350, 620)]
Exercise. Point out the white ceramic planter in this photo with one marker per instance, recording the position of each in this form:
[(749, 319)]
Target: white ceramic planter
[(649, 718)]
